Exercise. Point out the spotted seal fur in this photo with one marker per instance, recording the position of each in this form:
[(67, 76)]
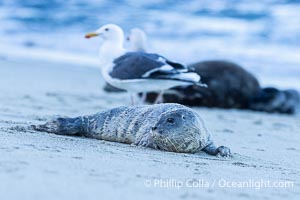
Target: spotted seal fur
[(168, 127)]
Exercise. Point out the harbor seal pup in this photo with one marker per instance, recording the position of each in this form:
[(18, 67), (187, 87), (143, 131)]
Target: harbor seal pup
[(168, 127)]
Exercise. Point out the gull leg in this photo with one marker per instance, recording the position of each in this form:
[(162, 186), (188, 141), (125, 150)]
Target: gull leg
[(132, 99), (159, 98), (143, 97)]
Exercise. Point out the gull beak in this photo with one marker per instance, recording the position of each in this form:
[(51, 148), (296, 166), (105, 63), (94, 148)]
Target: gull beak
[(89, 35)]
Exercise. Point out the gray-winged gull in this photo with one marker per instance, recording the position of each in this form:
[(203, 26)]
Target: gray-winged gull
[(137, 40), (137, 71)]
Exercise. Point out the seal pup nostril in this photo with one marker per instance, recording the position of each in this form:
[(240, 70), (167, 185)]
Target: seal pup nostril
[(154, 128)]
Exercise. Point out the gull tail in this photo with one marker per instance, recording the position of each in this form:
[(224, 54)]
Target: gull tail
[(191, 77)]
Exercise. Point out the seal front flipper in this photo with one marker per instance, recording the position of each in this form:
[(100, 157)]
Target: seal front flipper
[(211, 149), (62, 126)]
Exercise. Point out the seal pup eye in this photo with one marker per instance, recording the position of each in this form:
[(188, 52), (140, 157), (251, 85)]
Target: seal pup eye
[(107, 29), (170, 120)]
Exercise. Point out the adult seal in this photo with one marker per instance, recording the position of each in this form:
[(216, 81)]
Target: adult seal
[(168, 127), (231, 86), (228, 86)]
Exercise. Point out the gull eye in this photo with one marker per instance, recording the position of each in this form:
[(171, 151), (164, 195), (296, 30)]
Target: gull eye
[(107, 29), (170, 120)]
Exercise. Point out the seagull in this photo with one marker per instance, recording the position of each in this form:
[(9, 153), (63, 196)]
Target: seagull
[(138, 71), (137, 40)]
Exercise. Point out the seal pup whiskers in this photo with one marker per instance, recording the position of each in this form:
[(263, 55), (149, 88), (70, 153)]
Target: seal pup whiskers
[(168, 127)]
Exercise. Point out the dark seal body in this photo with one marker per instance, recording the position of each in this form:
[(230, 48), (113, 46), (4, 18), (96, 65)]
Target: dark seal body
[(273, 100), (228, 86), (169, 127), (231, 86)]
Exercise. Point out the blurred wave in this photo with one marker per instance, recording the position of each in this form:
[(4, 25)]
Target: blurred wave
[(261, 35), (273, 20)]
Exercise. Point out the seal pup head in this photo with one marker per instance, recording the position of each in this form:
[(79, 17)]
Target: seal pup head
[(180, 130)]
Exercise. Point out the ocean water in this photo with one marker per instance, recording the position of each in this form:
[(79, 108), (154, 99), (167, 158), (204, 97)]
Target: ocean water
[(262, 36)]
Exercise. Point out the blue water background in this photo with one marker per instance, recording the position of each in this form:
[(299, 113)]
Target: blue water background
[(262, 36)]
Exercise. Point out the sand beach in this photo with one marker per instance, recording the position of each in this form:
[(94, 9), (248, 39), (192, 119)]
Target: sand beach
[(38, 165)]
